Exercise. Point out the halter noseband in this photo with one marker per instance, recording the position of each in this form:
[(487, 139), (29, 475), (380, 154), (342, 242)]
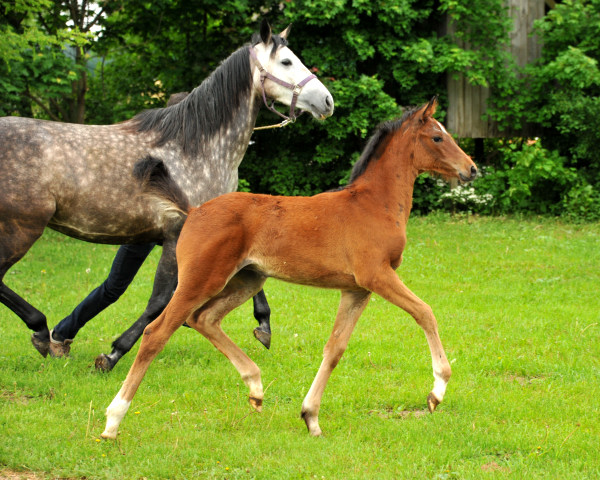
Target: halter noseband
[(296, 89)]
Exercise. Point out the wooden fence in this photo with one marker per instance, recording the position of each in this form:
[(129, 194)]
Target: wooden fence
[(467, 103)]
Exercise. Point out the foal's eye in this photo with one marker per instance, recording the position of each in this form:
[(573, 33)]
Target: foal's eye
[(437, 139), (286, 62)]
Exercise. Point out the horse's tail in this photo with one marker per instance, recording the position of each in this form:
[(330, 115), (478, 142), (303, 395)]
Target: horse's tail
[(158, 183)]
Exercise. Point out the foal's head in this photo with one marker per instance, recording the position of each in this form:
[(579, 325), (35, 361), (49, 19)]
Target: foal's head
[(435, 150), (279, 61)]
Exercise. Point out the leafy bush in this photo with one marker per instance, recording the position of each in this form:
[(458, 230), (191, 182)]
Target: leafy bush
[(559, 98), (526, 178)]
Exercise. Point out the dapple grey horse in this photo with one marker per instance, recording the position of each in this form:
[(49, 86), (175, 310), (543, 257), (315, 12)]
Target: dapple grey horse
[(79, 179)]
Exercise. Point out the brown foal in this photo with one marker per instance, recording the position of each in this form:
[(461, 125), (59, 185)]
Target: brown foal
[(351, 239)]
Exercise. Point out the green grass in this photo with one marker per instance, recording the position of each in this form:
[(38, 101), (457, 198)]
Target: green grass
[(518, 308)]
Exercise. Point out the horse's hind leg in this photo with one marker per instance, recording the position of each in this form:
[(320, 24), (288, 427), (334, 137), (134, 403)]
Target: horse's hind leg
[(262, 313), (352, 304), (165, 282), (17, 238), (207, 320)]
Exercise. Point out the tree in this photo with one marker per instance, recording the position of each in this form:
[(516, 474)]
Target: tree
[(43, 47)]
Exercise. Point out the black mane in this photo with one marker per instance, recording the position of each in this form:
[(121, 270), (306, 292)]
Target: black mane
[(373, 149), (276, 39), (207, 109)]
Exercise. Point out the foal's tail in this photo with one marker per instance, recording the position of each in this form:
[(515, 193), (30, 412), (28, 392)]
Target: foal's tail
[(158, 183)]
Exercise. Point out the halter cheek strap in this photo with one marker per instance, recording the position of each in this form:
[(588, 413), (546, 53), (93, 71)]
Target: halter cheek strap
[(296, 90)]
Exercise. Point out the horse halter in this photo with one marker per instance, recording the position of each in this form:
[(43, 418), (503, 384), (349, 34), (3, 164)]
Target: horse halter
[(296, 89)]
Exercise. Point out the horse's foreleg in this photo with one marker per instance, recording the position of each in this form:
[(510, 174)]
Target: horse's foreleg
[(154, 339), (262, 313), (165, 282), (351, 306), (207, 321), (32, 317), (18, 234), (390, 287)]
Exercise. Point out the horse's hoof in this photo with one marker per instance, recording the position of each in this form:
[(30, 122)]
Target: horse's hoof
[(41, 344), (263, 337), (59, 349), (104, 363), (432, 402)]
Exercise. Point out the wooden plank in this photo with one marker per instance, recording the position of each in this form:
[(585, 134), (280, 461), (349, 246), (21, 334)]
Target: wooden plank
[(468, 103)]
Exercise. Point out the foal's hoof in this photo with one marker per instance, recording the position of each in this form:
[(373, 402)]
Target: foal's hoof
[(41, 344), (106, 435), (263, 337), (432, 402), (312, 424), (104, 363), (256, 403)]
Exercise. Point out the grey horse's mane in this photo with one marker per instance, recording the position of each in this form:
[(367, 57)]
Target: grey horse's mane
[(208, 108)]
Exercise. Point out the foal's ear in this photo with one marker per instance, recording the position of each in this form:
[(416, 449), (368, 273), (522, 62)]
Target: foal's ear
[(430, 108), (265, 32), (286, 32)]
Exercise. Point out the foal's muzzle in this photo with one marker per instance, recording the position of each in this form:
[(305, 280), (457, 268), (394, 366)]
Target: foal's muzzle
[(471, 176)]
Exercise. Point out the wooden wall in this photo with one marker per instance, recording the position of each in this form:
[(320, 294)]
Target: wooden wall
[(467, 103)]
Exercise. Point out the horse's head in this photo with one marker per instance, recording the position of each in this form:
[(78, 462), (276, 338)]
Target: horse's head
[(280, 75), (435, 150)]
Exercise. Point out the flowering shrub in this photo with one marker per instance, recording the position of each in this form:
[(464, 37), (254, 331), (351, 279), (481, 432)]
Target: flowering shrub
[(526, 178), (466, 197)]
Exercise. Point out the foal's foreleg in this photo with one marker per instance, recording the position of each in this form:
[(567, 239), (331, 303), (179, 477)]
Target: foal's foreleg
[(351, 306), (153, 341), (207, 321), (389, 286)]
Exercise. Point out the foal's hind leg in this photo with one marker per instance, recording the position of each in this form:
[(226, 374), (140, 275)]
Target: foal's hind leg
[(387, 284), (181, 309), (154, 339), (207, 321), (351, 306), (18, 235)]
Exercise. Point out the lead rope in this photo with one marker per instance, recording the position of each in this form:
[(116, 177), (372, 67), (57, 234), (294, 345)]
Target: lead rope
[(277, 125)]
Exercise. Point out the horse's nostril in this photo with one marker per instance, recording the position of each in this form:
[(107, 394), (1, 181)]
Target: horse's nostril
[(473, 171), (328, 101)]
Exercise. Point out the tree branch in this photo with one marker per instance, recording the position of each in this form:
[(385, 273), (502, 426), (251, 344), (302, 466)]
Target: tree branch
[(42, 105)]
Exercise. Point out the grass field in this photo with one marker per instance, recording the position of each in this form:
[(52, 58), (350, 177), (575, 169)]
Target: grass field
[(518, 307)]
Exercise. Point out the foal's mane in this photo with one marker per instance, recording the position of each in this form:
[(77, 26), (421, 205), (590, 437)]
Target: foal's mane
[(208, 108), (372, 151)]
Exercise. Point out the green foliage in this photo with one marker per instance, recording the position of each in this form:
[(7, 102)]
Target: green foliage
[(559, 98), (526, 178), (35, 71), (375, 57), (531, 179)]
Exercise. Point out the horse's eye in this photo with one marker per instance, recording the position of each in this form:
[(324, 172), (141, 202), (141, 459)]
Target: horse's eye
[(437, 139), (286, 61)]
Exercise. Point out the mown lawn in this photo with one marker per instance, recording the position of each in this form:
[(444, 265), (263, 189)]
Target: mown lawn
[(518, 306)]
